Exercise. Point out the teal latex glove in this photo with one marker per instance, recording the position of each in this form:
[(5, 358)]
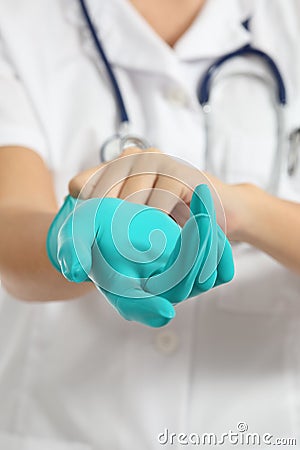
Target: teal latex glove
[(202, 257), (117, 245), (138, 256)]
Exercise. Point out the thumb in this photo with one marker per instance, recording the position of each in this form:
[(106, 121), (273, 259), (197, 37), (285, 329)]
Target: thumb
[(194, 257), (202, 202), (51, 242), (75, 240), (142, 307)]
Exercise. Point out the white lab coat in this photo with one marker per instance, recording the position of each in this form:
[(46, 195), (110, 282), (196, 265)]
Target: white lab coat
[(73, 374)]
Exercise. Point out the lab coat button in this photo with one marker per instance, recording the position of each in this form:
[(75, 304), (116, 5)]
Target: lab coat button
[(177, 96), (166, 342)]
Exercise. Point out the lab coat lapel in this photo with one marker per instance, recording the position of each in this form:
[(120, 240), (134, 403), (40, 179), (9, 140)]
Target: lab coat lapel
[(217, 30), (132, 44)]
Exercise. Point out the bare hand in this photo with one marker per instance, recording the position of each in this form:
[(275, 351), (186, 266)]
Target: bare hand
[(146, 177)]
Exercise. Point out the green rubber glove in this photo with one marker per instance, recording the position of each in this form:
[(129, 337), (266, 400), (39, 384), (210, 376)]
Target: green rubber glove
[(117, 245), (202, 257), (138, 256)]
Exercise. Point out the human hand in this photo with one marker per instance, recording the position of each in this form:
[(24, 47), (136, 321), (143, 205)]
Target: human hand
[(138, 256), (147, 177)]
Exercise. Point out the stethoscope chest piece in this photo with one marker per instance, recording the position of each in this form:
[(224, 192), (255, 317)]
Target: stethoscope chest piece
[(116, 144), (111, 148)]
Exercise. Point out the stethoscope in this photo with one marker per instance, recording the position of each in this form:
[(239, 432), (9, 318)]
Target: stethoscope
[(122, 139)]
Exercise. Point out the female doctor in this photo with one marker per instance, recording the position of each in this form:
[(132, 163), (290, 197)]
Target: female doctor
[(73, 374)]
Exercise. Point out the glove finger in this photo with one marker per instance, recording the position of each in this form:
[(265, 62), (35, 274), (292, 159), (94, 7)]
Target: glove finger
[(51, 243), (75, 240), (206, 267), (203, 275), (75, 260), (177, 279), (202, 202), (226, 264), (153, 311), (186, 272)]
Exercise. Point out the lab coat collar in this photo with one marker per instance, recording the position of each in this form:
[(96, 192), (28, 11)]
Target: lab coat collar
[(217, 30), (131, 43)]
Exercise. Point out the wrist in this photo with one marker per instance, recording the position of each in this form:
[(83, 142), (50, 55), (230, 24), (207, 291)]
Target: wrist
[(251, 205)]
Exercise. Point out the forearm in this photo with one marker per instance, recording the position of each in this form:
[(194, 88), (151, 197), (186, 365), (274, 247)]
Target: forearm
[(25, 269), (272, 225)]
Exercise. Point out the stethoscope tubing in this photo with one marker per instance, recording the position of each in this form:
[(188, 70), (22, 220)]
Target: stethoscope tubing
[(124, 117), (203, 90)]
